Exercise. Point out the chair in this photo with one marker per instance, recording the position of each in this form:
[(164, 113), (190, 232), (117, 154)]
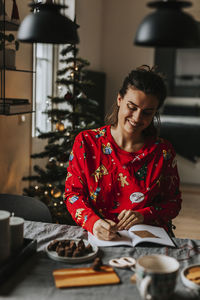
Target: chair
[(25, 207)]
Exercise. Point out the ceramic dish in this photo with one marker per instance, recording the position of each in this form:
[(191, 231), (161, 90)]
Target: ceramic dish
[(187, 282), (74, 260)]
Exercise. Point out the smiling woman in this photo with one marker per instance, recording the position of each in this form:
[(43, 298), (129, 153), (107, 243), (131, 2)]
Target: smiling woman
[(123, 174), (136, 111)]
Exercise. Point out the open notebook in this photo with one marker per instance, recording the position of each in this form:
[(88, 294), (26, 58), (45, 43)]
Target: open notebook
[(136, 234)]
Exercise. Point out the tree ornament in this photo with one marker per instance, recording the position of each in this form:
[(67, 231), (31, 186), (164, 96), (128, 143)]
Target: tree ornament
[(52, 162), (52, 159), (82, 95), (68, 96), (60, 126), (55, 192)]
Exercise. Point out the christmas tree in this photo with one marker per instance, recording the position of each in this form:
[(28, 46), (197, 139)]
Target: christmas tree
[(70, 113)]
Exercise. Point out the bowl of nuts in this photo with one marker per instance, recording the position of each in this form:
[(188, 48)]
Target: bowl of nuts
[(191, 277), (71, 251)]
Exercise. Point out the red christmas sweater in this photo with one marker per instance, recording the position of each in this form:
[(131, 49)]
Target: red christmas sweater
[(103, 179)]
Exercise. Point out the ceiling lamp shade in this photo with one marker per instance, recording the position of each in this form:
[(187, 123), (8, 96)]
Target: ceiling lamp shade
[(45, 24), (168, 26)]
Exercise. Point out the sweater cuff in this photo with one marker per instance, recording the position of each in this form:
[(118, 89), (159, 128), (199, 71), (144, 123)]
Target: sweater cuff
[(89, 225)]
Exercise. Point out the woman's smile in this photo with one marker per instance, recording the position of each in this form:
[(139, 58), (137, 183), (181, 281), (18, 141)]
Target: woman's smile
[(136, 111)]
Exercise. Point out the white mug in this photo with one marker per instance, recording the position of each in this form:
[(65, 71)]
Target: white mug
[(4, 235), (156, 276)]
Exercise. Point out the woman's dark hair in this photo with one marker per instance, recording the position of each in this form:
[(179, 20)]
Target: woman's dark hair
[(149, 81)]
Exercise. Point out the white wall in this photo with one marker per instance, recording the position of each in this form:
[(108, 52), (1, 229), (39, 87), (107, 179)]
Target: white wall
[(89, 15), (107, 30)]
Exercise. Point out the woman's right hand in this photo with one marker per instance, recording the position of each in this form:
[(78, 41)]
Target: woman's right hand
[(105, 229)]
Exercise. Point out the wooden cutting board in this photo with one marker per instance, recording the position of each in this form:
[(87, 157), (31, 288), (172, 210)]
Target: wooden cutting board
[(85, 277)]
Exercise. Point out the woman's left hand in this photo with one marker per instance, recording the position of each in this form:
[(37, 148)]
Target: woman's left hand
[(128, 218)]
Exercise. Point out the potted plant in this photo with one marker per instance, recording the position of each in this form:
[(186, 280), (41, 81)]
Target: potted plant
[(8, 46)]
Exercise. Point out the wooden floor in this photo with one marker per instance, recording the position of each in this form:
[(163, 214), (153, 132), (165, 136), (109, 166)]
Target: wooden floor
[(188, 221)]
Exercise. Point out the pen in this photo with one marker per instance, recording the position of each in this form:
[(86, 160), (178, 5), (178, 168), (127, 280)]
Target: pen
[(118, 234)]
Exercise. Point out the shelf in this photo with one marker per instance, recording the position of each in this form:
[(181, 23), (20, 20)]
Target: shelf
[(11, 106), (7, 108), (17, 70), (8, 25), (19, 113)]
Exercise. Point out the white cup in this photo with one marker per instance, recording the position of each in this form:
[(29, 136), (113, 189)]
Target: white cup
[(156, 276), (16, 233), (4, 235)]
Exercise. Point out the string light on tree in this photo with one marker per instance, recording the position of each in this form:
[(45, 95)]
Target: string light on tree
[(47, 103)]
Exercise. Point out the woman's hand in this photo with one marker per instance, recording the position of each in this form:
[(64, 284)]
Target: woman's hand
[(105, 229), (128, 218)]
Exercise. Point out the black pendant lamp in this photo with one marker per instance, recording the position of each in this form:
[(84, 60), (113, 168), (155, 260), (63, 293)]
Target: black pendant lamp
[(168, 26), (45, 24)]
